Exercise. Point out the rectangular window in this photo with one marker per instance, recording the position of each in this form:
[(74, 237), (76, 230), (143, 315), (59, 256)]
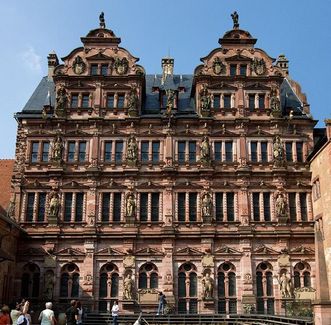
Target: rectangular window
[(94, 69), (181, 207), (181, 152), (228, 151), (156, 151), (82, 151), (251, 102), (217, 102), (303, 206), (289, 153), (104, 69), (105, 207), (299, 146), (256, 206), (243, 69), (254, 151), (261, 101), (232, 306), (264, 151), (85, 101), (120, 101), (67, 207), (192, 152), (117, 207), (164, 100), (79, 207), (233, 70), (219, 207), (110, 101), (41, 207), (29, 207), (143, 206), (230, 206), (74, 101), (71, 151), (118, 151), (218, 151), (193, 207), (155, 207), (34, 152), (227, 101), (292, 207), (144, 151), (108, 151), (266, 207), (45, 152)]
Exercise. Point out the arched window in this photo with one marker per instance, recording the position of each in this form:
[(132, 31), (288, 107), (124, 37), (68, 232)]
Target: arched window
[(187, 289), (108, 281), (148, 276), (264, 288), (69, 281), (302, 275), (30, 281), (227, 289)]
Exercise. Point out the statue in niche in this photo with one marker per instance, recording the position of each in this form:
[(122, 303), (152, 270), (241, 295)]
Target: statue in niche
[(285, 286), (128, 287), (54, 204), (205, 150), (278, 152), (78, 65), (280, 206), (121, 66), (102, 20), (130, 205), (170, 101), (61, 101), (133, 99), (206, 205), (205, 100), (235, 19), (132, 150), (259, 66), (57, 149), (207, 285), (275, 104), (49, 286)]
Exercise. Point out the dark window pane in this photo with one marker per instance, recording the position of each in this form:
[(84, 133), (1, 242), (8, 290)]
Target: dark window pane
[(303, 206), (144, 151), (45, 152), (181, 152), (192, 151), (67, 206), (193, 306), (79, 207), (120, 101), (256, 206), (264, 151), (297, 280), (74, 101), (155, 206), (108, 150), (182, 306), (164, 100), (110, 101), (266, 207), (232, 284), (306, 279), (230, 206), (34, 152), (219, 207), (228, 151), (82, 151), (233, 70), (232, 306), (155, 151), (104, 69), (221, 306), (193, 284), (254, 151), (269, 284), (29, 208), (261, 101), (41, 207), (259, 284), (25, 285), (260, 306), (299, 146), (35, 284), (75, 285), (251, 102), (143, 206), (117, 207), (114, 285), (227, 101), (218, 151), (181, 285), (94, 69), (118, 151), (217, 102), (64, 285), (71, 151), (143, 280), (181, 207), (243, 70), (105, 207), (154, 281), (270, 307), (221, 285), (103, 285), (193, 206), (289, 154), (85, 101), (293, 207)]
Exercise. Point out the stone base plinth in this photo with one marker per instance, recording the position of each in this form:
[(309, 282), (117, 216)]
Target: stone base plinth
[(322, 312)]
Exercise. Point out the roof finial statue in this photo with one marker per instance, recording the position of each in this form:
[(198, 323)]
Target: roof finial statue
[(235, 18), (102, 20)]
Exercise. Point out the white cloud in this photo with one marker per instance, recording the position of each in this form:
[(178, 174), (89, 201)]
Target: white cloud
[(31, 59)]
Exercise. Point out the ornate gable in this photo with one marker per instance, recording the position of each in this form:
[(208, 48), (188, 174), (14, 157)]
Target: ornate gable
[(265, 250), (148, 251), (70, 252), (109, 251), (189, 251), (302, 250), (226, 250)]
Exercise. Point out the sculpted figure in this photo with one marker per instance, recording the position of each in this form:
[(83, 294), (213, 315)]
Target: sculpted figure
[(102, 20), (133, 99), (285, 286), (128, 288), (61, 101), (132, 150), (49, 285), (278, 152), (57, 149), (280, 205), (130, 206), (205, 149), (207, 284), (170, 101), (235, 18), (54, 204), (206, 205), (205, 99), (275, 104)]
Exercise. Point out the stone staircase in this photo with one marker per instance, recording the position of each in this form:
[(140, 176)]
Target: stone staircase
[(217, 319)]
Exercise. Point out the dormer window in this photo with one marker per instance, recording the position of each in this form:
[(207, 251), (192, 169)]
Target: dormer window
[(233, 70), (104, 69), (85, 101), (243, 69), (74, 101), (94, 69)]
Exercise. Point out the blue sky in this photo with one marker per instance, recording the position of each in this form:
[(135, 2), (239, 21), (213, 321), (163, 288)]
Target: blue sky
[(149, 29)]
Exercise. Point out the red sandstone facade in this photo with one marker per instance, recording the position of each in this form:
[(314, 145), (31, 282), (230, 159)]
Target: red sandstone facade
[(129, 184)]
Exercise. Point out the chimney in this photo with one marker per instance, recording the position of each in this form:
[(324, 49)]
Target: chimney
[(328, 128), (282, 62), (167, 68), (53, 62)]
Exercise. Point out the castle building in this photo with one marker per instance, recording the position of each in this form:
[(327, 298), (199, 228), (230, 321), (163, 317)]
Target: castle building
[(194, 185)]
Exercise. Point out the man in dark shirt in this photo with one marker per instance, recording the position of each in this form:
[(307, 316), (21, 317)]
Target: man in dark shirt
[(72, 313)]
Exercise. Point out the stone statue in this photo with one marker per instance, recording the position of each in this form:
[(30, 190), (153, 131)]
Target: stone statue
[(49, 286), (207, 285), (235, 18), (278, 152), (280, 205), (205, 150), (79, 65), (102, 20), (205, 99), (275, 104), (133, 99), (61, 101), (54, 204), (170, 101), (206, 205), (57, 149), (130, 205), (132, 150), (128, 288), (285, 286)]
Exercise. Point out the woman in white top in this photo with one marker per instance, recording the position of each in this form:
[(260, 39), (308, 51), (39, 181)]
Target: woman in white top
[(47, 317), (80, 313)]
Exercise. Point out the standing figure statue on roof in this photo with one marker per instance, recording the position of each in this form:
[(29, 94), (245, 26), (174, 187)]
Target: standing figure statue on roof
[(102, 20), (235, 18), (61, 102)]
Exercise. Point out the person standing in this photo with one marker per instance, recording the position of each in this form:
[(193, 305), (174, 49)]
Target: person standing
[(80, 313), (160, 309), (25, 318), (4, 315), (72, 313), (15, 313), (114, 312), (46, 316)]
